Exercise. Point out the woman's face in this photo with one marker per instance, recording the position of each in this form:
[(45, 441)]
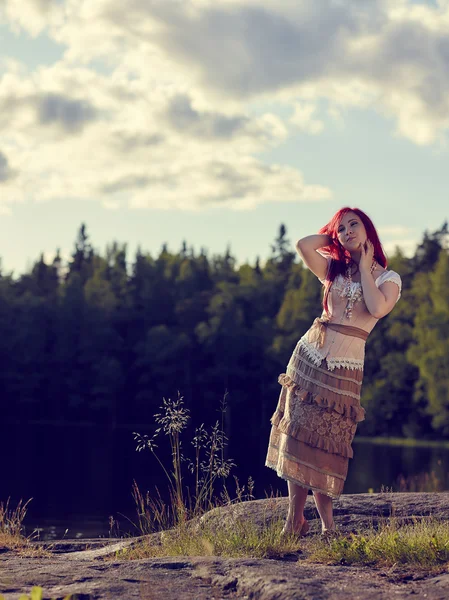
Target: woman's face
[(351, 232)]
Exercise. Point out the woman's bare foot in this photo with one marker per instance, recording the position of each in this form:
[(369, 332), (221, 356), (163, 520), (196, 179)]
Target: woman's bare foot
[(299, 527), (326, 529)]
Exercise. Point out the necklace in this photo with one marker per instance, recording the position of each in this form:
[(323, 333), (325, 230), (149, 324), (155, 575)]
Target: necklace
[(352, 292)]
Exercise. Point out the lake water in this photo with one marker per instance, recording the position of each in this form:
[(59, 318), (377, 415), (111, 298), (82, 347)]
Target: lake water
[(78, 478)]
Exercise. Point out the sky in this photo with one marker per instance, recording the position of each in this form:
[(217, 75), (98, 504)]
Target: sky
[(214, 121)]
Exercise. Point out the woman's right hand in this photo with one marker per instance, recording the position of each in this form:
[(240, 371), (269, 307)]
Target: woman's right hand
[(307, 249)]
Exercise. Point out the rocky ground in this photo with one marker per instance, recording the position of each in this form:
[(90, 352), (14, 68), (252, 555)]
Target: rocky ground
[(85, 566)]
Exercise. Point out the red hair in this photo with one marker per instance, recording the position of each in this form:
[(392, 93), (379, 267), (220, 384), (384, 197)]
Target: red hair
[(340, 257)]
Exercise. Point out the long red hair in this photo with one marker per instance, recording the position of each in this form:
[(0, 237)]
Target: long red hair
[(341, 257)]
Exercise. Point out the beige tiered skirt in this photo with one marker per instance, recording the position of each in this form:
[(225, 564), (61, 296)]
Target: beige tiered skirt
[(314, 424)]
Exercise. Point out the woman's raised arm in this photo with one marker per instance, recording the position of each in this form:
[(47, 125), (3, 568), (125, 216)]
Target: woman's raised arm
[(307, 249)]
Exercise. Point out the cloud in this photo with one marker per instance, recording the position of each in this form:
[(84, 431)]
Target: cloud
[(69, 114), (127, 141), (303, 119), (8, 177), (128, 182), (399, 236), (31, 15), (391, 56), (151, 104), (394, 231), (407, 245), (183, 117), (25, 104), (76, 133), (6, 173), (217, 183), (214, 126)]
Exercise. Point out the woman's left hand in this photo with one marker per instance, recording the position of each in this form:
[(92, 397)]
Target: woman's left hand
[(367, 255)]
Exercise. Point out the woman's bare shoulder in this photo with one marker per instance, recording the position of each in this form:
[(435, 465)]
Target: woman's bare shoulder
[(379, 270)]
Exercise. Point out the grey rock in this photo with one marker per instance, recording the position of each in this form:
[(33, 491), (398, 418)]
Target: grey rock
[(76, 566)]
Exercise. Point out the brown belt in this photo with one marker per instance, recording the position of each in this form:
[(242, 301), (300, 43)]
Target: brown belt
[(318, 330)]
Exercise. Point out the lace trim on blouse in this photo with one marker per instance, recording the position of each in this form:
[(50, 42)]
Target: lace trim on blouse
[(339, 282), (340, 286)]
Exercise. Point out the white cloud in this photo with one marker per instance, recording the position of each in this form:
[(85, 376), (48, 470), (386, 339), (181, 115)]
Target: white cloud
[(302, 118), (75, 133), (166, 122), (394, 236), (32, 15), (238, 184), (408, 246), (6, 172), (394, 231), (390, 56)]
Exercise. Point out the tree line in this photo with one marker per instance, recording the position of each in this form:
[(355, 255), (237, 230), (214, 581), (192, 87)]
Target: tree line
[(104, 340)]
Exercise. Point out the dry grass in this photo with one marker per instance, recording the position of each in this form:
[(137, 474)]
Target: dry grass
[(422, 482), (11, 527), (237, 537), (424, 542)]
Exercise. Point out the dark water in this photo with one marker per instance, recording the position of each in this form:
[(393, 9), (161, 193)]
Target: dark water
[(79, 476)]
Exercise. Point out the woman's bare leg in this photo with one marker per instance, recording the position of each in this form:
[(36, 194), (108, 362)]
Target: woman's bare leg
[(297, 496), (324, 507)]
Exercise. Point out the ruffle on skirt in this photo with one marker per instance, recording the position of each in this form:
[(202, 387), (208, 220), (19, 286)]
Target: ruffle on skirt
[(343, 406)]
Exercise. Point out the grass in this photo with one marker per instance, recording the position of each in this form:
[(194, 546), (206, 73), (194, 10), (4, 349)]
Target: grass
[(11, 527), (228, 534), (423, 482), (242, 539), (422, 543)]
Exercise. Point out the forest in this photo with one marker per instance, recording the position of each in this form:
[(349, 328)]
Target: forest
[(103, 340)]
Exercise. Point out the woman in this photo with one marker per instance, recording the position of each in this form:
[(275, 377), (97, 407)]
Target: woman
[(319, 404)]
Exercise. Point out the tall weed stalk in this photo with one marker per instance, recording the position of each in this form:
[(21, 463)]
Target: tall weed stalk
[(208, 465)]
